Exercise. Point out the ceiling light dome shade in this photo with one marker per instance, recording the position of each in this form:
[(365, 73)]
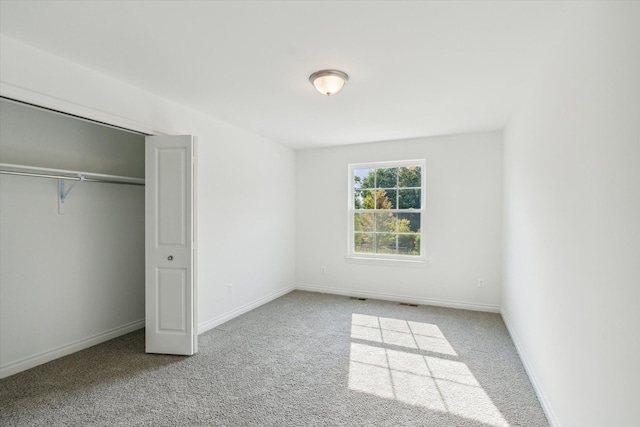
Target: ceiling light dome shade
[(328, 82)]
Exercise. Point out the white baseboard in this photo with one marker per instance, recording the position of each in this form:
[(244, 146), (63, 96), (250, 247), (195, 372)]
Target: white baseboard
[(217, 321), (400, 298), (67, 349), (546, 406)]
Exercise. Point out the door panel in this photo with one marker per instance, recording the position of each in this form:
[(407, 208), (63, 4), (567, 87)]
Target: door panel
[(170, 286), (172, 300), (171, 197)]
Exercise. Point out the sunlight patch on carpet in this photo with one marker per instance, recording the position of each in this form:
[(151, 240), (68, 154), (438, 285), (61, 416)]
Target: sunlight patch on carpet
[(381, 368), (415, 335)]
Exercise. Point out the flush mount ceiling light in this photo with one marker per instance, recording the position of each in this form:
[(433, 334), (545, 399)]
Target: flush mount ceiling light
[(328, 82)]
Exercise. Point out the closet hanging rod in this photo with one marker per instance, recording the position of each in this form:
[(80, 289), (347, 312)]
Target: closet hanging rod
[(71, 178), (39, 172)]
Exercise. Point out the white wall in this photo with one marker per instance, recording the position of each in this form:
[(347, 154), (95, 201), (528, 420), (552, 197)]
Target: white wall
[(462, 229), (237, 172), (76, 277), (572, 223)]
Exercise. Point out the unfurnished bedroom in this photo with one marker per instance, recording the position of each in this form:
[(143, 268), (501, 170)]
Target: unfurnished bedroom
[(319, 213)]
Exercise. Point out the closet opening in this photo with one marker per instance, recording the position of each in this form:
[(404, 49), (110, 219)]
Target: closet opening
[(72, 233)]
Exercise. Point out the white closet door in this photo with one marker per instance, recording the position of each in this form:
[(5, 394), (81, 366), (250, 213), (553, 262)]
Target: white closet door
[(170, 286)]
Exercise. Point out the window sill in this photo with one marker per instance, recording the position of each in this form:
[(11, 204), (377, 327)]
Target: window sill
[(419, 262)]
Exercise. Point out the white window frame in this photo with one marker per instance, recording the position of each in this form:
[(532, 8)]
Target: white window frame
[(384, 258)]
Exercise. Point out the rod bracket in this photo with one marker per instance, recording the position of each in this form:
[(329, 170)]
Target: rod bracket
[(65, 192)]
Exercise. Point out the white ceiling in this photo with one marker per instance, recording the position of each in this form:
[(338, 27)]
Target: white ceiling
[(416, 68)]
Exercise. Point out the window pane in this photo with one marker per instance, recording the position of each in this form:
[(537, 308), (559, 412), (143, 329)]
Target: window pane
[(409, 244), (363, 242), (363, 222), (409, 199), (363, 199), (386, 199), (386, 221), (364, 178), (409, 222), (387, 178), (410, 176), (385, 243)]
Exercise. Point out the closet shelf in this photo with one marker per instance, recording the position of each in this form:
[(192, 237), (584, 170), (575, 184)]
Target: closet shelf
[(11, 169)]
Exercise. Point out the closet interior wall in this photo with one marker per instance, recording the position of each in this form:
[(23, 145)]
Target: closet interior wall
[(67, 281)]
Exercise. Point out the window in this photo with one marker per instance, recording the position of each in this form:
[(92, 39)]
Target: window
[(386, 210)]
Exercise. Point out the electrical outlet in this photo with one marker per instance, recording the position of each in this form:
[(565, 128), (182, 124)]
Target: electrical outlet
[(229, 288), (480, 283), (324, 270)]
